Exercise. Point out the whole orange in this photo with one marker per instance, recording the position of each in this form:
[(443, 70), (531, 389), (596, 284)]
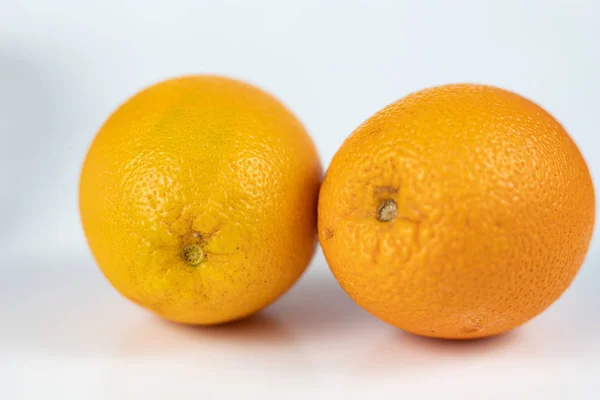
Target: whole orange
[(460, 211), (198, 198)]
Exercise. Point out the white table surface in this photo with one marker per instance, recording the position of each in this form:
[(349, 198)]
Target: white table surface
[(66, 332)]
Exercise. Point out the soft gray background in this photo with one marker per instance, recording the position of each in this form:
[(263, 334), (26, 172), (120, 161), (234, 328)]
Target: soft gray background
[(65, 65)]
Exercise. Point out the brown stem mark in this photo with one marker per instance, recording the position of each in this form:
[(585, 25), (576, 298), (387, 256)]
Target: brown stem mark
[(387, 211)]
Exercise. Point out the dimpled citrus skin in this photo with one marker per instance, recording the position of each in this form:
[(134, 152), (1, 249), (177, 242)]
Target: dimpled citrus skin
[(495, 211), (205, 161)]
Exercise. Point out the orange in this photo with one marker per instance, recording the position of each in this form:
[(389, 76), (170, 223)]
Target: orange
[(198, 199), (460, 211)]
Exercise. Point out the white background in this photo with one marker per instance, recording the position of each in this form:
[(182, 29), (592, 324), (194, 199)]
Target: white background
[(65, 65)]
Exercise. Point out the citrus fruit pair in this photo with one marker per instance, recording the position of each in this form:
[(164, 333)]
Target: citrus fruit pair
[(459, 211)]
